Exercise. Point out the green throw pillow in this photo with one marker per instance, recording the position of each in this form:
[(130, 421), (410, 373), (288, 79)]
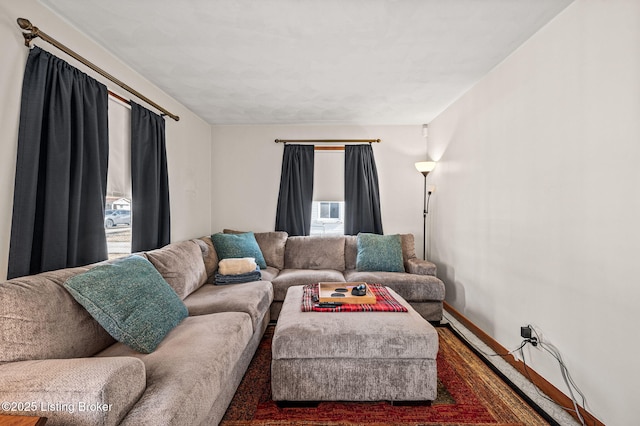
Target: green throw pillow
[(379, 253), (231, 246), (130, 299)]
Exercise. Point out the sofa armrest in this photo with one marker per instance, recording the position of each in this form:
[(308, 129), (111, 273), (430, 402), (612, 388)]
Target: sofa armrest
[(420, 267), (73, 391)]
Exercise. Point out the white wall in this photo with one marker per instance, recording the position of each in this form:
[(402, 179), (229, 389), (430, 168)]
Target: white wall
[(247, 163), (188, 141), (536, 218)]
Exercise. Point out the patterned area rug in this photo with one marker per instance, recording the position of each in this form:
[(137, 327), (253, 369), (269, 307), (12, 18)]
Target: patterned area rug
[(469, 393)]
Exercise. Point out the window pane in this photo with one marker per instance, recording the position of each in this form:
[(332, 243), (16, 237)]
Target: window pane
[(335, 211), (324, 210)]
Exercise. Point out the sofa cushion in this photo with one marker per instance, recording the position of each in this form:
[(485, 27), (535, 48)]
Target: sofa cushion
[(252, 298), (289, 277), (272, 245), (31, 324), (111, 385), (181, 265), (314, 253), (209, 256), (269, 274), (413, 288), (131, 300), (189, 369), (350, 251), (379, 253), (238, 245)]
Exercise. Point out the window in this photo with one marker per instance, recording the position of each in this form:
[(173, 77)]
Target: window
[(329, 210), (117, 215), (327, 218)]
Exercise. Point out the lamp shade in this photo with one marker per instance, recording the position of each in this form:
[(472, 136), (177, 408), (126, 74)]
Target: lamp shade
[(425, 167)]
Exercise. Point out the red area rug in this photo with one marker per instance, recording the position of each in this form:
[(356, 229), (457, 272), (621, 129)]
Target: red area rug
[(469, 393)]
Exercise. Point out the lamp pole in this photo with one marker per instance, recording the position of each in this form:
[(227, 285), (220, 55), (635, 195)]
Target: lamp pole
[(424, 219), (425, 167)]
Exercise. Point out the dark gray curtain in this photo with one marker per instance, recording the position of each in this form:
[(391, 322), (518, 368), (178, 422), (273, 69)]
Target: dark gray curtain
[(151, 227), (61, 169), (296, 190), (361, 193)]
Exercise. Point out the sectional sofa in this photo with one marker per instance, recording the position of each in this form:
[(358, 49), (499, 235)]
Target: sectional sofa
[(57, 361), (307, 260)]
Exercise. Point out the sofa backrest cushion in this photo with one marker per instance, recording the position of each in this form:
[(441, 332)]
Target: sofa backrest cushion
[(315, 252), (272, 244), (39, 319), (181, 264), (351, 249), (209, 256)]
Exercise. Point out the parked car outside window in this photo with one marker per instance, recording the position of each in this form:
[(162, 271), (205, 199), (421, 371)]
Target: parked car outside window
[(114, 218)]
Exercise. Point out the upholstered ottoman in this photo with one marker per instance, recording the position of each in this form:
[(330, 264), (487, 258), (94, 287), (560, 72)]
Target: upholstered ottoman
[(352, 356)]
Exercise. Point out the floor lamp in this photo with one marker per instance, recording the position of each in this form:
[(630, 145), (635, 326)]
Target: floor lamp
[(425, 167)]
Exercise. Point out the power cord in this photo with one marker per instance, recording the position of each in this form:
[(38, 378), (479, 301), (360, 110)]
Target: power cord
[(551, 349), (460, 333), (566, 376)]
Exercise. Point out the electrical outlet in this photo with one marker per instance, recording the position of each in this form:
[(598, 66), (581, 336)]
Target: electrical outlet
[(528, 334)]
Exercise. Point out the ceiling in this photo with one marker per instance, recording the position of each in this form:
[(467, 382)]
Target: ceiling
[(311, 61)]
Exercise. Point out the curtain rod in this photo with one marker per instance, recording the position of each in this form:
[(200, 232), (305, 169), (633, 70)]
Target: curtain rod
[(328, 140), (25, 24)]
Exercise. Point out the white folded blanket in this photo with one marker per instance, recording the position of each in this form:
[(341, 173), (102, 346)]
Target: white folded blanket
[(241, 265)]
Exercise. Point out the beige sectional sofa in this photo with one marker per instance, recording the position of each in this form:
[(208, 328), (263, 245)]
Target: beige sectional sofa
[(307, 260), (56, 361)]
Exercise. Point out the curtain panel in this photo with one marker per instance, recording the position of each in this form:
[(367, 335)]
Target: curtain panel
[(61, 169), (150, 212), (361, 192), (293, 214)]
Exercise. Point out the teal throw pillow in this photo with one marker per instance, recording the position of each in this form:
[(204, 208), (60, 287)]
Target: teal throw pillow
[(231, 246), (130, 299), (379, 253)]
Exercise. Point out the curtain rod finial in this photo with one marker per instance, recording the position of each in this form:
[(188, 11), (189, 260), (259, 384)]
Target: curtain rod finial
[(24, 23)]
